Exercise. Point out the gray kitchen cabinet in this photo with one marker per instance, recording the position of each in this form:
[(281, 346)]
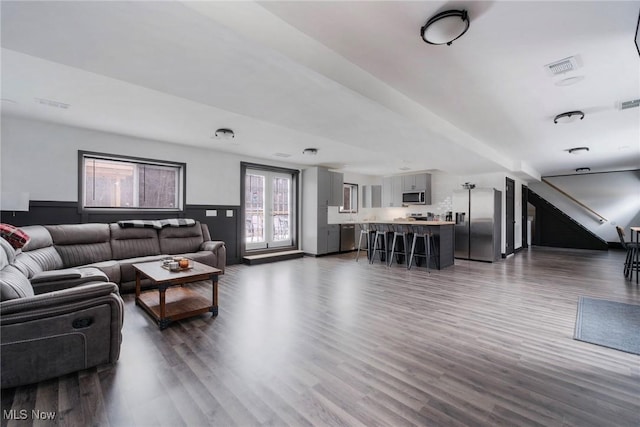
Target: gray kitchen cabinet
[(333, 238), (336, 193), (392, 192), (319, 191), (330, 187), (328, 239), (416, 182), (322, 247), (372, 196)]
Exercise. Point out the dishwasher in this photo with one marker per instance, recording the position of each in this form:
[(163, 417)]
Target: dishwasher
[(347, 237)]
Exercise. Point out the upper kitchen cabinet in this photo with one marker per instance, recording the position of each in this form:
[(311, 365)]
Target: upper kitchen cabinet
[(372, 196), (336, 195), (392, 192), (417, 182), (327, 185)]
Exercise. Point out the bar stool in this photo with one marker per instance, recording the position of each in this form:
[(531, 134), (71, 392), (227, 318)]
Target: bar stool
[(399, 230), (381, 231), (364, 231), (424, 233), (631, 248)]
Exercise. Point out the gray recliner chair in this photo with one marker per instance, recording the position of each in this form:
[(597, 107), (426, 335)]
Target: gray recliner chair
[(47, 331)]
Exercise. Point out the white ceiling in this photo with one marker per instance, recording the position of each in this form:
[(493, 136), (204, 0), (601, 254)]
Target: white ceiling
[(353, 79)]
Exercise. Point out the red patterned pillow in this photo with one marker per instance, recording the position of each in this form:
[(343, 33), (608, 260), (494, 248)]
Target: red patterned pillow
[(16, 237)]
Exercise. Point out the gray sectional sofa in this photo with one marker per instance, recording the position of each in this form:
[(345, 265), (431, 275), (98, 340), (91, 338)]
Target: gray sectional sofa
[(60, 304), (109, 249)]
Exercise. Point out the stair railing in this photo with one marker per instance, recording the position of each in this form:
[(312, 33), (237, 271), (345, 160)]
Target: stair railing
[(576, 201)]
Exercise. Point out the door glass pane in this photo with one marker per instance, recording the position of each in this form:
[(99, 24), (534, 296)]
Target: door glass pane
[(268, 205), (254, 208), (281, 196)]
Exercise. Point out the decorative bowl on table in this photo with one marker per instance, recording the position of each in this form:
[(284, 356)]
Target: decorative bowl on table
[(177, 263)]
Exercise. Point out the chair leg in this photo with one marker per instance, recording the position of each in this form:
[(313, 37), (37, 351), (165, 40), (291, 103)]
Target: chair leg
[(393, 249), (375, 247), (427, 249), (631, 265), (413, 250), (383, 246), (405, 247), (359, 246), (385, 242)]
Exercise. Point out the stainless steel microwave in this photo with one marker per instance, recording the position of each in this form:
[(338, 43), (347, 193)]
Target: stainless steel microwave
[(413, 198)]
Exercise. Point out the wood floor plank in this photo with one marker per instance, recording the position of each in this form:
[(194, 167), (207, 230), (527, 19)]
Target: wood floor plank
[(46, 404), (69, 406), (327, 341), (93, 407)]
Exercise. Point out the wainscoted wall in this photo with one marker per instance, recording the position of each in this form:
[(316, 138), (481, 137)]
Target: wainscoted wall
[(224, 226)]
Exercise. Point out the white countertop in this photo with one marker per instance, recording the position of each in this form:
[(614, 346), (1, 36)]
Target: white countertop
[(409, 222)]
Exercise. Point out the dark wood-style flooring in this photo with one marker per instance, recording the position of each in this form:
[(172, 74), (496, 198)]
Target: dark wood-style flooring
[(328, 341)]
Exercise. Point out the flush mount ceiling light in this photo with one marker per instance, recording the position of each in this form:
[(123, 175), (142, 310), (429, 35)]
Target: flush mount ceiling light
[(568, 117), (224, 133), (583, 170), (310, 151), (578, 150), (445, 27)]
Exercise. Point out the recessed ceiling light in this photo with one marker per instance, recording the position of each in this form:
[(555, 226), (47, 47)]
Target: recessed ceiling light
[(578, 150), (583, 170), (404, 168), (569, 81), (282, 155), (310, 151)]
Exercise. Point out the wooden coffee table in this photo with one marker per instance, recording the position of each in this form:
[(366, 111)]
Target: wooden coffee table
[(172, 300)]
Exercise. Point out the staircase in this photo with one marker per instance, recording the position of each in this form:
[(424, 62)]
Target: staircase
[(555, 228)]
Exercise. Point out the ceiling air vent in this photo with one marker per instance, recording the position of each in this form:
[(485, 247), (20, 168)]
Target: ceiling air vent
[(562, 66), (51, 103), (630, 104)]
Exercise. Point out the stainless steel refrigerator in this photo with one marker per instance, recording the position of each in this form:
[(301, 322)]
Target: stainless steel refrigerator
[(478, 229)]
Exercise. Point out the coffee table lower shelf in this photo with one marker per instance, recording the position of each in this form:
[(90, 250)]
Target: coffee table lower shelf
[(180, 303)]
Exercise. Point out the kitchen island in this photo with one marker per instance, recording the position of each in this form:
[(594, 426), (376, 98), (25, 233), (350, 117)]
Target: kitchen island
[(443, 236)]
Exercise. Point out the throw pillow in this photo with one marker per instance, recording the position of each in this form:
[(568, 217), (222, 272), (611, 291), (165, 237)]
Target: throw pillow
[(16, 237)]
